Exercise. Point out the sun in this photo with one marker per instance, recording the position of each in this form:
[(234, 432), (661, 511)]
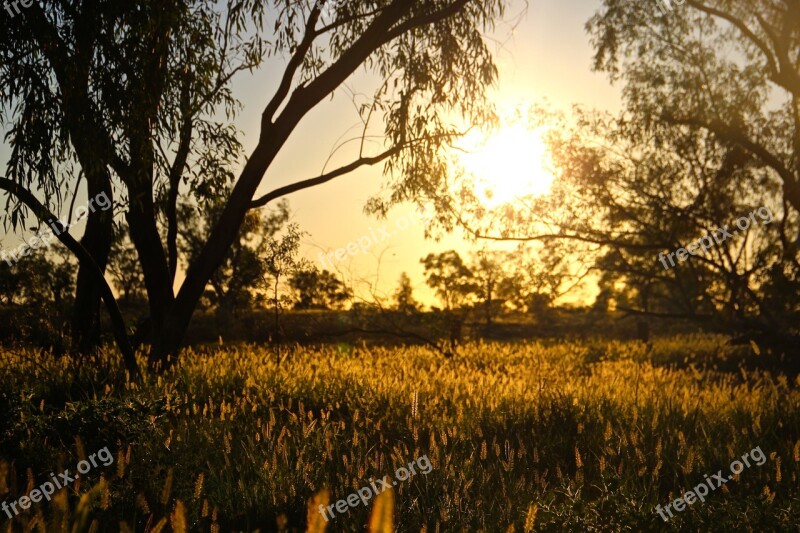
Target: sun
[(508, 164)]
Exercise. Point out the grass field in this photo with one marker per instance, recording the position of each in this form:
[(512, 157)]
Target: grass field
[(521, 437)]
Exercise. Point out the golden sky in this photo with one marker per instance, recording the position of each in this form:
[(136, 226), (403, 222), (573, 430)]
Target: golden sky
[(548, 58)]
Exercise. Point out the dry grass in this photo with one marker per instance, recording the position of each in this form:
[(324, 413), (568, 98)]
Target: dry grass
[(522, 437)]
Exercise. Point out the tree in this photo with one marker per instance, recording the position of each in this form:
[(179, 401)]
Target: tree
[(733, 123), (453, 282), (315, 289), (404, 296), (46, 281), (535, 277), (149, 80), (678, 71), (280, 261), (488, 272), (235, 285), (124, 268), (39, 287), (455, 285), (10, 282), (710, 132)]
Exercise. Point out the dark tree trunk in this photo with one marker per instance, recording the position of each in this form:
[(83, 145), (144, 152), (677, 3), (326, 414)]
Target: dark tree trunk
[(168, 338), (96, 241)]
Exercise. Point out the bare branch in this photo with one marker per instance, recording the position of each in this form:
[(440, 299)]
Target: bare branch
[(312, 182)]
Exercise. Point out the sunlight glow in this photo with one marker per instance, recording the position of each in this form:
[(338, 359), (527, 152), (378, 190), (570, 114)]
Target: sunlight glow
[(509, 164)]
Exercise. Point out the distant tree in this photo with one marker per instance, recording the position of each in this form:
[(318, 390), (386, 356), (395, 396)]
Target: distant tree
[(487, 268), (45, 280), (456, 287), (236, 283), (10, 282), (404, 296), (124, 268), (315, 289), (535, 277), (40, 288), (280, 262), (449, 276), (39, 280)]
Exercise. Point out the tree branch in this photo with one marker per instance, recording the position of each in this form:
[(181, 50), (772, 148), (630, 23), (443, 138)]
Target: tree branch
[(791, 186), (294, 64), (312, 182), (44, 214), (742, 27)]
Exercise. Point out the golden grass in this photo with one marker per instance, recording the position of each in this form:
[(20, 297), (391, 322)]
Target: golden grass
[(528, 436)]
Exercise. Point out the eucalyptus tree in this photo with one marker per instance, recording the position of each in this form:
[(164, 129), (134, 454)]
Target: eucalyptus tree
[(708, 133), (134, 99), (716, 84)]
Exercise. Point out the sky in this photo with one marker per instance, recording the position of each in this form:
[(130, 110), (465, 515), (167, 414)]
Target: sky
[(546, 59)]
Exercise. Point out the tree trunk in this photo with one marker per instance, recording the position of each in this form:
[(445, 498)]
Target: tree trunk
[(96, 241), (168, 340)]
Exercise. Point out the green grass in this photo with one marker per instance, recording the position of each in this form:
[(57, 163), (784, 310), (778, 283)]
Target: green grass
[(534, 437)]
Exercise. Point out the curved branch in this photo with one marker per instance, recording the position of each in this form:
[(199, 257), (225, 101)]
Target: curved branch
[(44, 214), (791, 183), (742, 27), (319, 180)]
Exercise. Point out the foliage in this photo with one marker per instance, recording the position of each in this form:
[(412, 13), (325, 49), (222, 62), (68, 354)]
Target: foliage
[(39, 291), (280, 260), (452, 280), (124, 268), (315, 289), (711, 130), (236, 284)]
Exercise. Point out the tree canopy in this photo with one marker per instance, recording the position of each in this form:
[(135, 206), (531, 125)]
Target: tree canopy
[(151, 81)]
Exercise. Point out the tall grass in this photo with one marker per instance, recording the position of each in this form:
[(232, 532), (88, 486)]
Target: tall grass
[(522, 437)]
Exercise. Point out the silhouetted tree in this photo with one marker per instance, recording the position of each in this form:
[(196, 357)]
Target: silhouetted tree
[(721, 133), (236, 284), (448, 275), (124, 268), (280, 262), (404, 296), (488, 271), (705, 137), (40, 289), (456, 287), (318, 289), (139, 107)]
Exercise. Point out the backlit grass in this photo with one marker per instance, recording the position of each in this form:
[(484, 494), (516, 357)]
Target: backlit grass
[(522, 437)]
